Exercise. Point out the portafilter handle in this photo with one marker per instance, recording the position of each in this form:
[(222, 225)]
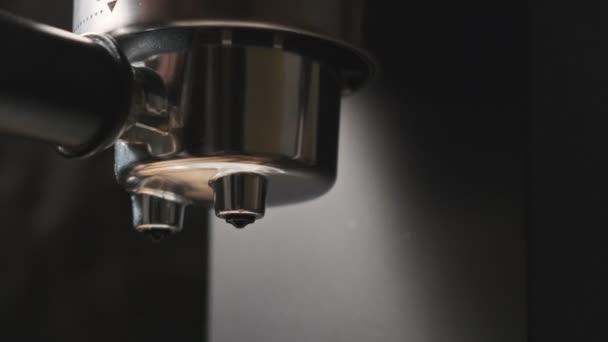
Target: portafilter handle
[(58, 87)]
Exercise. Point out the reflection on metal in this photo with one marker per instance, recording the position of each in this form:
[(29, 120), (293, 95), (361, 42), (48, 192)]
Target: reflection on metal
[(239, 109), (149, 122), (157, 217), (237, 102), (240, 198), (334, 20)]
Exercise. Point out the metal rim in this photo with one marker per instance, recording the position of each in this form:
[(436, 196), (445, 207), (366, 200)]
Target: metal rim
[(353, 62)]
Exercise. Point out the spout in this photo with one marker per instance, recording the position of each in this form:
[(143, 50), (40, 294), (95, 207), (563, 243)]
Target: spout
[(240, 198), (157, 217)]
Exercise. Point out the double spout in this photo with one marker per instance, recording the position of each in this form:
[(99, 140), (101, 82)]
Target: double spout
[(234, 113)]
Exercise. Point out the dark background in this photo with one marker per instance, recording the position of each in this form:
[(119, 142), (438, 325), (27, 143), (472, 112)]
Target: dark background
[(567, 276), (71, 266), (469, 205)]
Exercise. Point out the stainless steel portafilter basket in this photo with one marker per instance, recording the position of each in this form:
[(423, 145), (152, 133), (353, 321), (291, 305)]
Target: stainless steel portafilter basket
[(231, 103)]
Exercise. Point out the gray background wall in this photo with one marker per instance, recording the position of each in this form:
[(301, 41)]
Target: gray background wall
[(422, 238)]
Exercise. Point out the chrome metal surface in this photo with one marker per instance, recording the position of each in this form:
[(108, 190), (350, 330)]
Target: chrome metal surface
[(240, 198), (338, 20), (157, 217), (150, 122), (329, 30), (230, 87), (239, 109)]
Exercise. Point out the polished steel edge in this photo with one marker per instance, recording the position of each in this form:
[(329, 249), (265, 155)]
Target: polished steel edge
[(355, 66)]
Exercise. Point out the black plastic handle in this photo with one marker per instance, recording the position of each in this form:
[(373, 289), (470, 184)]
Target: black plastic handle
[(61, 88)]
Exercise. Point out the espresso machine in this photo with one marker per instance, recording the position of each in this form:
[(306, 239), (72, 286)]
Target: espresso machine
[(382, 141), (233, 104)]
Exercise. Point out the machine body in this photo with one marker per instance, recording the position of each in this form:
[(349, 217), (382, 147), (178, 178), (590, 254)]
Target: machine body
[(235, 103)]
